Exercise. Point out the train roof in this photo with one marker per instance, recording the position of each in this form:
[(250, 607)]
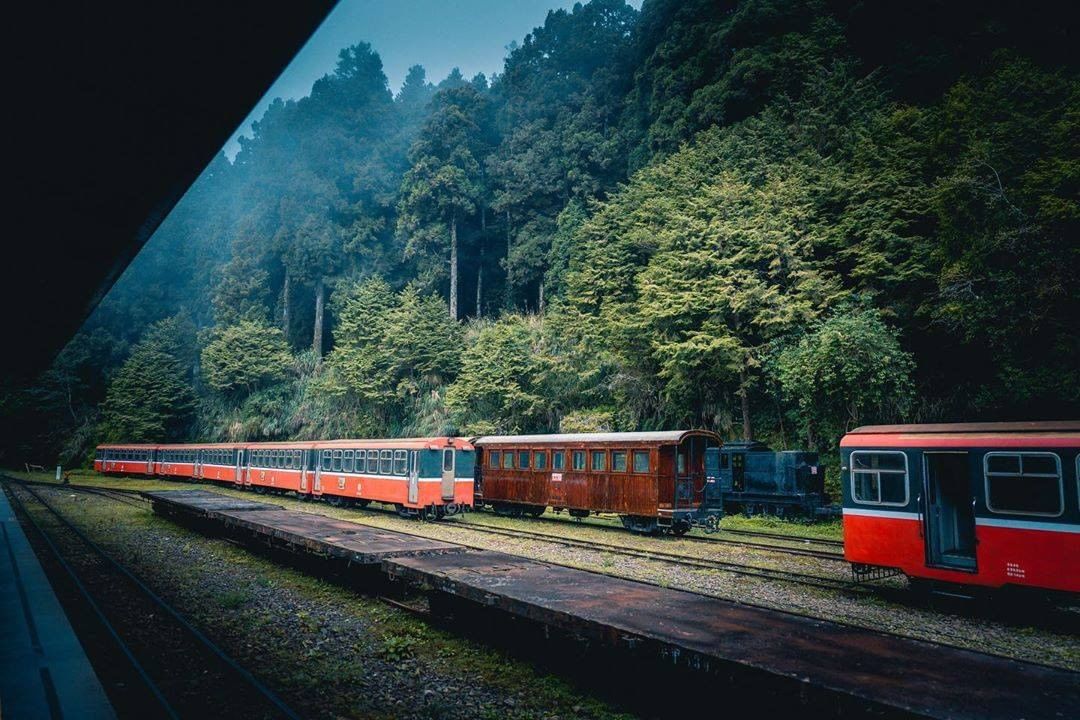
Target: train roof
[(967, 435), (414, 443), (1041, 426), (664, 437)]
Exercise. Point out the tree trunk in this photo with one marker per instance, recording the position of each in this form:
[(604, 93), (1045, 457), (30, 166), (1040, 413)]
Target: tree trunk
[(508, 293), (285, 306), (317, 343), (744, 399), (453, 267), (480, 282)]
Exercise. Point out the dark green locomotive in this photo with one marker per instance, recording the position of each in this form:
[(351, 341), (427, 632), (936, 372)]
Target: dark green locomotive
[(755, 479)]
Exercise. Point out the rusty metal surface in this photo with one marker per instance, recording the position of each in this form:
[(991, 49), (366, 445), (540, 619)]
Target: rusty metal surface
[(908, 675), (315, 533), (204, 503), (335, 538)]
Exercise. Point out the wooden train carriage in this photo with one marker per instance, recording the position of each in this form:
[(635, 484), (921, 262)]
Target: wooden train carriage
[(654, 480), (979, 504)]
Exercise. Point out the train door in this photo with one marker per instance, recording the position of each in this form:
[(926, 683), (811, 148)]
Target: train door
[(311, 463), (949, 524), (238, 460), (149, 462), (198, 465), (448, 474), (686, 463), (738, 472), (414, 476), (316, 486)]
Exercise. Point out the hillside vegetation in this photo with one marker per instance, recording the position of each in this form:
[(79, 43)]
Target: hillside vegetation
[(778, 218)]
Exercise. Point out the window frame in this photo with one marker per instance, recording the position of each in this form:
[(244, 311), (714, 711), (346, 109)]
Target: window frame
[(494, 459), (602, 455), (615, 453), (574, 454), (402, 457), (448, 453), (508, 459), (386, 460), (879, 502), (541, 456), (525, 455), (372, 463), (324, 461), (348, 460), (1020, 474), (634, 455), (561, 456)]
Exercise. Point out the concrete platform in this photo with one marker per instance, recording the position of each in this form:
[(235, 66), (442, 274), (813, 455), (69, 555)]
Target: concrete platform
[(711, 634), (44, 671)]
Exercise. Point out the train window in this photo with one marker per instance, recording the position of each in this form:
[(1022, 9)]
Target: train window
[(577, 460), (1024, 483), (599, 460), (641, 461), (523, 459), (401, 458), (879, 478), (386, 462), (347, 461), (508, 459), (373, 461), (558, 460), (618, 460), (723, 461), (540, 460), (335, 464), (493, 458), (680, 463), (447, 460), (325, 459)]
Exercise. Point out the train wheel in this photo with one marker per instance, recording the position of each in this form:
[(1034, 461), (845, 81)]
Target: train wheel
[(640, 525), (404, 512), (680, 528)]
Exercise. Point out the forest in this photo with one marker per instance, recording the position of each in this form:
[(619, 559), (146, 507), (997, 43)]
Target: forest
[(778, 219)]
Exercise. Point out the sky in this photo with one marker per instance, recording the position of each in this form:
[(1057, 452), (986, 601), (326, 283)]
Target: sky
[(438, 34)]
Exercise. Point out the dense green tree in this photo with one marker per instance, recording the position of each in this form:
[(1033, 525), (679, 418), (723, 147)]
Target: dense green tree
[(245, 356), (501, 386), (444, 183), (151, 398), (847, 371)]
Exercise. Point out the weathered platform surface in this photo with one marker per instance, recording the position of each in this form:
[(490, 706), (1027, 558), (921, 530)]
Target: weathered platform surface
[(43, 669), (317, 534), (883, 670), (203, 503)]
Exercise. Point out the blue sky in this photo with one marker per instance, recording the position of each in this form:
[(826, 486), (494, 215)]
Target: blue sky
[(438, 34)]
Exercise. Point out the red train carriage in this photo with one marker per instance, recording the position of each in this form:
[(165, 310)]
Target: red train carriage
[(432, 477), (655, 481), (124, 459), (980, 504)]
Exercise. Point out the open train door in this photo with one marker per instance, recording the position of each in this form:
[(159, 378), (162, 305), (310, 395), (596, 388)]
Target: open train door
[(948, 510)]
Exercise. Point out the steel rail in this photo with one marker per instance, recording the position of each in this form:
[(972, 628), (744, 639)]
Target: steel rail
[(206, 642), (98, 612)]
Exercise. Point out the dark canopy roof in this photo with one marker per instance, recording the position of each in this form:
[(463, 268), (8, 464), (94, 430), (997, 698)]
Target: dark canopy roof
[(114, 109)]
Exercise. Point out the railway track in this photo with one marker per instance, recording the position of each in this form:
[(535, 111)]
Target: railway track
[(820, 581), (836, 554), (149, 633)]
